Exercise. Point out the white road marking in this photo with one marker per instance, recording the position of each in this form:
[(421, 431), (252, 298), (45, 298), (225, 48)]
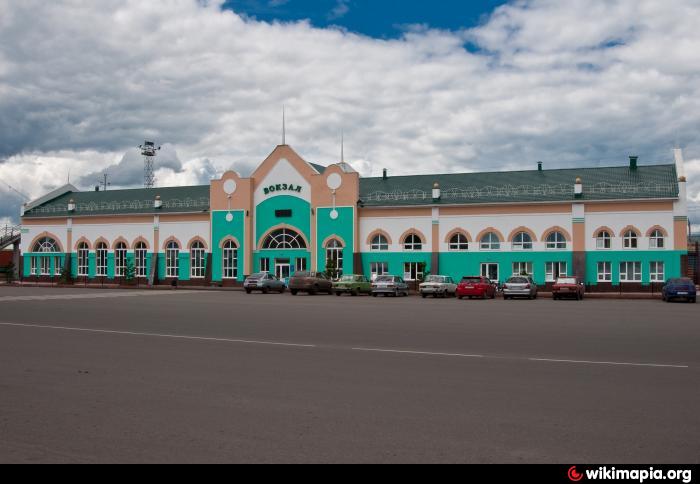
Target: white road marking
[(49, 297), (298, 345), (607, 363), (428, 353), (157, 335)]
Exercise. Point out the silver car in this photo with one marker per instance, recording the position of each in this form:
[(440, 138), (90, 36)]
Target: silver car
[(389, 285), (520, 286), (265, 282), (443, 286)]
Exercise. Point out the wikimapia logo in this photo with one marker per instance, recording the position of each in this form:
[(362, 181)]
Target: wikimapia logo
[(637, 475)]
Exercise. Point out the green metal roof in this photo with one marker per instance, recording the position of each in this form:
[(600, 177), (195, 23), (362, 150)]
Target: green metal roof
[(125, 202), (606, 183)]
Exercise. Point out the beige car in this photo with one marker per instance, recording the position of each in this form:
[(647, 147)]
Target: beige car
[(438, 286)]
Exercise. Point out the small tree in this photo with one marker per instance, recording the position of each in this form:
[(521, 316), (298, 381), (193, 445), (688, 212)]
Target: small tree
[(422, 269), (129, 271), (331, 270)]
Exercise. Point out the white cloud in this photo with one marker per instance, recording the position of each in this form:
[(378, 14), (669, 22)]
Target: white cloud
[(568, 83)]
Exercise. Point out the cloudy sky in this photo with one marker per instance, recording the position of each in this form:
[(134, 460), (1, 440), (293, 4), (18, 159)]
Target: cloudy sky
[(417, 87)]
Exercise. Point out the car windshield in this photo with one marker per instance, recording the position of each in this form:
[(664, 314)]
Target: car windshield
[(348, 279), (680, 281), (566, 280), (518, 280), (302, 274), (471, 280), (385, 279), (259, 275), (438, 279)]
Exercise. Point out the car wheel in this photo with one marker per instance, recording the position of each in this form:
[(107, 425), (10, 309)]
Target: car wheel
[(248, 291), (460, 297), (355, 293), (337, 293), (283, 290), (423, 295), (396, 293), (374, 294), (294, 292), (693, 300), (313, 291), (265, 290)]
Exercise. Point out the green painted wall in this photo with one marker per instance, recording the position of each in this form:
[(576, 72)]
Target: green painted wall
[(670, 258), (342, 227), (265, 217), (221, 229), (27, 262), (460, 264), (292, 255), (395, 260)]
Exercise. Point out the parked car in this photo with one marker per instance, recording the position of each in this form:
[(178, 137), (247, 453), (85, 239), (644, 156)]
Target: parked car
[(568, 287), (352, 284), (265, 282), (310, 282), (386, 285), (520, 286), (442, 286), (680, 288), (476, 286)]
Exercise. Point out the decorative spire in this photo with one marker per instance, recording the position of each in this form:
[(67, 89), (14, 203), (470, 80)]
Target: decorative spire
[(342, 146), (284, 127)]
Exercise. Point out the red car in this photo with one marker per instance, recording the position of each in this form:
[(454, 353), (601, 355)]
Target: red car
[(570, 287), (476, 286)]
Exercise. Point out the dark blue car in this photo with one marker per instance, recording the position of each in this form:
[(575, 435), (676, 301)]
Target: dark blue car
[(681, 288)]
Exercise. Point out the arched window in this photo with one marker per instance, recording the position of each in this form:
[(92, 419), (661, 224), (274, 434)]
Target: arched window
[(230, 260), (120, 259), (629, 240), (172, 259), (45, 244), (603, 240), (556, 240), (379, 243), (490, 241), (522, 241), (101, 259), (140, 257), (412, 242), (197, 254), (83, 259), (334, 257), (284, 239), (656, 240), (459, 242)]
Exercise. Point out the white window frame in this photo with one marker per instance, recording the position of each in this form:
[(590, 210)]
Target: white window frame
[(83, 260), (629, 240), (57, 269), (558, 242), (120, 258), (378, 269), (657, 271), (141, 260), (379, 243), (657, 240), (604, 271), (411, 272), (300, 264), (637, 275), (45, 265), (334, 253), (493, 242), (230, 260), (602, 239), (519, 266), (415, 245), (172, 260), (265, 264), (33, 264), (459, 242), (551, 275), (520, 243), (197, 260), (101, 258)]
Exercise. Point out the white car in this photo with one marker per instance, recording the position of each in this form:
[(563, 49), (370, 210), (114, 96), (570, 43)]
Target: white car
[(443, 286)]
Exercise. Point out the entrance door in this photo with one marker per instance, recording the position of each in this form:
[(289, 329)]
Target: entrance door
[(282, 268), (490, 270)]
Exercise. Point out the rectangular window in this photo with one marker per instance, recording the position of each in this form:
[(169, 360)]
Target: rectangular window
[(101, 262), (264, 264), (283, 213), (378, 269), (300, 264), (630, 272), (172, 263), (57, 269), (554, 270), (230, 262), (83, 262), (604, 272), (522, 268), (32, 261), (45, 266), (412, 271), (140, 256), (656, 272), (120, 262), (197, 257)]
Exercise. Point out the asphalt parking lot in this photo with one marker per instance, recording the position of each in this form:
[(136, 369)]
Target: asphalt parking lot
[(194, 376)]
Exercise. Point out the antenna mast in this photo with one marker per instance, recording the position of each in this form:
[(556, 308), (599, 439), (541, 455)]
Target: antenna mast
[(148, 151)]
